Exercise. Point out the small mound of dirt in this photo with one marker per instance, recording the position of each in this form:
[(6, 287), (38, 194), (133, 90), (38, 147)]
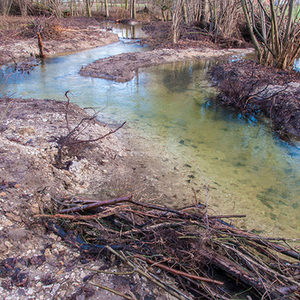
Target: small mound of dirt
[(122, 67)]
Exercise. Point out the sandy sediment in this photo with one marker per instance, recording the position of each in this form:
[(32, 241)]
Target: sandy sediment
[(73, 39), (122, 67)]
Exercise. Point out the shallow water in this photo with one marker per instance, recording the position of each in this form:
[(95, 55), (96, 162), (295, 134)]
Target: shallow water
[(251, 171)]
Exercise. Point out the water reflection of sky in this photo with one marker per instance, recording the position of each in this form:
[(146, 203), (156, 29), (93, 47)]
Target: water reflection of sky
[(297, 65), (174, 104)]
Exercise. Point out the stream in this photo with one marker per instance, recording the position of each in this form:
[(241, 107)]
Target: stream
[(245, 168)]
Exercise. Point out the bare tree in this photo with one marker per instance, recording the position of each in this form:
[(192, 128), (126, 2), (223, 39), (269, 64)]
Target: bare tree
[(165, 7), (88, 5), (5, 6), (177, 18), (106, 8), (274, 30), (23, 4), (55, 6), (133, 9)]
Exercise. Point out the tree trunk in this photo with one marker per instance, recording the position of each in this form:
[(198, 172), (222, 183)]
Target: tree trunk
[(177, 17), (202, 13), (88, 8), (5, 6), (106, 9), (23, 7), (133, 9), (185, 12)]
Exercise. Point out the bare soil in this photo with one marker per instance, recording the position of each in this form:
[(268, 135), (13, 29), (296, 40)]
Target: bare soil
[(18, 38), (122, 67), (37, 263)]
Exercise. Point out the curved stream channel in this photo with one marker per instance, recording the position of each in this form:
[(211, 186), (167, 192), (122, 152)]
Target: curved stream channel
[(246, 169)]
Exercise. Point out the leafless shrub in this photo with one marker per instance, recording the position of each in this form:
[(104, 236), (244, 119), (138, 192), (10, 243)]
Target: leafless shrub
[(274, 30), (71, 144), (255, 91), (49, 28)]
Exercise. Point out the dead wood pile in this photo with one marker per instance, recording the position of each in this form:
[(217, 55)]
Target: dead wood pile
[(208, 258)]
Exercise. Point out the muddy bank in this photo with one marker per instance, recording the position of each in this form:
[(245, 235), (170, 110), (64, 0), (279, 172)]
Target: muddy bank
[(18, 39), (122, 67), (159, 35), (34, 261), (257, 91)]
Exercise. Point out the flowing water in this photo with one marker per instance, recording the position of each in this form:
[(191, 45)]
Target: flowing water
[(247, 169)]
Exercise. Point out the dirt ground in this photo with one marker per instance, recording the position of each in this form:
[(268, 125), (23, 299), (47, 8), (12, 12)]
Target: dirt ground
[(36, 264), (191, 36), (18, 39), (122, 67)]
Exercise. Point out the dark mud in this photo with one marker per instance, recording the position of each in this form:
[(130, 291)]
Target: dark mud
[(122, 67)]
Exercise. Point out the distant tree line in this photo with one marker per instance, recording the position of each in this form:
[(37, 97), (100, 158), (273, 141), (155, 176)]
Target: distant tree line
[(73, 7), (273, 25)]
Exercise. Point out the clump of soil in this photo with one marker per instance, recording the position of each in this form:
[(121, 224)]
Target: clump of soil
[(122, 67), (255, 90)]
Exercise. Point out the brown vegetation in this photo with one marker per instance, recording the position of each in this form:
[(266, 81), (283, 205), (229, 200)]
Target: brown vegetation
[(254, 90), (207, 257), (274, 30)]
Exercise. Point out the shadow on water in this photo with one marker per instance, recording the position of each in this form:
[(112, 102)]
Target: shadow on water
[(179, 78)]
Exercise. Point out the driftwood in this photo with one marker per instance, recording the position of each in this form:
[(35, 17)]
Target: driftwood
[(208, 257), (41, 46)]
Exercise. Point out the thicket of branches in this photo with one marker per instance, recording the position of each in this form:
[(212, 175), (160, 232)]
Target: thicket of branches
[(275, 31), (273, 25), (219, 18), (69, 7)]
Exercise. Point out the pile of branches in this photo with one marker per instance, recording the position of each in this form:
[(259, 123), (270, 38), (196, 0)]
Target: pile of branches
[(254, 90), (207, 257)]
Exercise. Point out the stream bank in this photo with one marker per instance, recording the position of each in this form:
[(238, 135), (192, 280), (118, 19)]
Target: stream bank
[(122, 67), (34, 261), (254, 90), (37, 262), (18, 39)]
